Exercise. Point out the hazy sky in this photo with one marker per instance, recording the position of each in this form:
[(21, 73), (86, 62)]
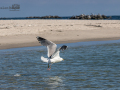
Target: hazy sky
[(59, 7)]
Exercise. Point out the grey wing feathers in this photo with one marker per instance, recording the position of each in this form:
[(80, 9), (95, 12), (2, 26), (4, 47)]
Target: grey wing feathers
[(51, 49), (64, 47), (50, 45)]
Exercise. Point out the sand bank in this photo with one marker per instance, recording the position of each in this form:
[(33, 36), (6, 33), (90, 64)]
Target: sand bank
[(22, 33)]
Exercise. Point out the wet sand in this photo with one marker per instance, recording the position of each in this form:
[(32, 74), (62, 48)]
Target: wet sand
[(22, 33)]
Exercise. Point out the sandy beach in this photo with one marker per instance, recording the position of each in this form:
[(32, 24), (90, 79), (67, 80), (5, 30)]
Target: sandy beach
[(22, 33)]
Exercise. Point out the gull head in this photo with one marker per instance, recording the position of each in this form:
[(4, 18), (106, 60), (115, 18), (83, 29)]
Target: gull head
[(62, 59)]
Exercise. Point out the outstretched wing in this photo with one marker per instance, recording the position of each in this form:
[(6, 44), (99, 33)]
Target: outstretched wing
[(50, 45), (56, 54)]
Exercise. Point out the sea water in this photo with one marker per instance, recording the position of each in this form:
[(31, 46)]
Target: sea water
[(86, 66)]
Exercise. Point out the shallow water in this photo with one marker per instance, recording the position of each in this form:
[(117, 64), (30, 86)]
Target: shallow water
[(90, 66)]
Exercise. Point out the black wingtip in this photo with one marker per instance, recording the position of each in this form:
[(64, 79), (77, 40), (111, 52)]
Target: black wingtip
[(64, 47), (40, 38)]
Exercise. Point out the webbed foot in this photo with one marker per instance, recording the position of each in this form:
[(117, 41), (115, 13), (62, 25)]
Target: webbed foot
[(48, 69)]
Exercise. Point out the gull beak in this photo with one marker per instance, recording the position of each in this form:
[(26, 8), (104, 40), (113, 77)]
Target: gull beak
[(63, 59)]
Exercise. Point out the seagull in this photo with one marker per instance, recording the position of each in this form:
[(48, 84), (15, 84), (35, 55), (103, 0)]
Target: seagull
[(53, 54)]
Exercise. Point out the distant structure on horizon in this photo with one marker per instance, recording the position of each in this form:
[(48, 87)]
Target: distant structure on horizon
[(82, 16), (92, 16), (46, 17)]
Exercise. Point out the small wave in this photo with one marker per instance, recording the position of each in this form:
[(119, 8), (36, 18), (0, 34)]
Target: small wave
[(17, 75)]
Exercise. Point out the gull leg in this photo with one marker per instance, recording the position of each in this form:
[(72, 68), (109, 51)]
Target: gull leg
[(48, 67), (51, 65)]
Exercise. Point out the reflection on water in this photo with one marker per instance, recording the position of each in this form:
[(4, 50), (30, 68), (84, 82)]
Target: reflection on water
[(89, 66), (54, 82)]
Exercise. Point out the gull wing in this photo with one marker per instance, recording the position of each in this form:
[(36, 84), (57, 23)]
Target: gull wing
[(56, 54), (64, 47), (51, 47)]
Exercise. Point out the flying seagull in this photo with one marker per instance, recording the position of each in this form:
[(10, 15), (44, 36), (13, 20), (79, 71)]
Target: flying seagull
[(53, 54)]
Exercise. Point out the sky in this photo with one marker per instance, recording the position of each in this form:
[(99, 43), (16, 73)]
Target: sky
[(59, 7)]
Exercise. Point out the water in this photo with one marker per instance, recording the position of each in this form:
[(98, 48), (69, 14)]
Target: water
[(114, 17), (85, 67)]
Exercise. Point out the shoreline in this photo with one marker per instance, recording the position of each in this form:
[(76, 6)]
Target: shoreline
[(23, 33), (33, 44)]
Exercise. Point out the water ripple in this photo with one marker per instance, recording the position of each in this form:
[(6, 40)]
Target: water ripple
[(84, 67)]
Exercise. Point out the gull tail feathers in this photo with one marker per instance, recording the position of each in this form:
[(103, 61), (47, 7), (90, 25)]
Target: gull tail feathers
[(44, 59)]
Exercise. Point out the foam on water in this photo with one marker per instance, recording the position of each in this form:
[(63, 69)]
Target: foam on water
[(17, 75)]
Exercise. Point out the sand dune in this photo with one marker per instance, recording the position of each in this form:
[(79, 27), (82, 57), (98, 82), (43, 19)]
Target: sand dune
[(22, 33)]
